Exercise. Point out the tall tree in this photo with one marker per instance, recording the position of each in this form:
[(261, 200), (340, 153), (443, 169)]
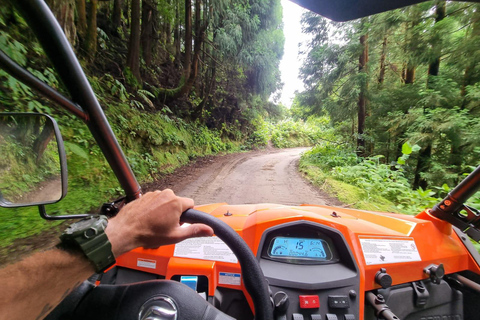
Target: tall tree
[(187, 65), (64, 12), (133, 56), (147, 37), (116, 14), (81, 18), (90, 43), (362, 98), (425, 154)]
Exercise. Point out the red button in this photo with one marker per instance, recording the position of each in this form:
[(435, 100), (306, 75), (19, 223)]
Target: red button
[(309, 302)]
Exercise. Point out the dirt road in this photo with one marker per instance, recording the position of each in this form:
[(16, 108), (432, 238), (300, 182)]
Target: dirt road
[(254, 177)]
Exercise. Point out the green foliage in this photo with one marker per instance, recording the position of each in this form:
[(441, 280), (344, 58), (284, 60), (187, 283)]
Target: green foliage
[(290, 133), (261, 135), (376, 181)]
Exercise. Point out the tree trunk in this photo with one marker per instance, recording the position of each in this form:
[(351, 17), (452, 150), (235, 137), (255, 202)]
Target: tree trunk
[(90, 45), (176, 35), (362, 100), (147, 32), (117, 14), (381, 75), (198, 112), (410, 74), (133, 56), (423, 165), (434, 66), (199, 39), (64, 11), (81, 18), (40, 144), (188, 39)]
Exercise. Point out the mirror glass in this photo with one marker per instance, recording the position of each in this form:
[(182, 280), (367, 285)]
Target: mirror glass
[(30, 163)]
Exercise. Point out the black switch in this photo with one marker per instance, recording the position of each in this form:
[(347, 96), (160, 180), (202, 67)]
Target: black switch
[(338, 302), (297, 316), (349, 317), (331, 316), (316, 316)]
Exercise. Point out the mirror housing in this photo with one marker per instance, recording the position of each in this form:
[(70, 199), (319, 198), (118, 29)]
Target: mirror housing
[(33, 169)]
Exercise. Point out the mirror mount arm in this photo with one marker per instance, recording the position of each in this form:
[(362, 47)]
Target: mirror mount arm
[(44, 215)]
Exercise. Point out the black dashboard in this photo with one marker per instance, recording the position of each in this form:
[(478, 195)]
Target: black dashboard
[(311, 271)]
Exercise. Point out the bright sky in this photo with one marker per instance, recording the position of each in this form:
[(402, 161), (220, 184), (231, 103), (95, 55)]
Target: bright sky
[(290, 64)]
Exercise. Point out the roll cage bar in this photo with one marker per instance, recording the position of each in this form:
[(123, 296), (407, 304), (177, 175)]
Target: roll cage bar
[(85, 106)]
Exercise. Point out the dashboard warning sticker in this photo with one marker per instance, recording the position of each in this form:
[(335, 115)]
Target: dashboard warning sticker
[(205, 248), (383, 251), (229, 278), (146, 263)]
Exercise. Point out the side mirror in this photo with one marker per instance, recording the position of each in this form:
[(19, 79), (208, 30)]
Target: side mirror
[(33, 169)]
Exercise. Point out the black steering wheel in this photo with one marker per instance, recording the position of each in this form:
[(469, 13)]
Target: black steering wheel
[(165, 299)]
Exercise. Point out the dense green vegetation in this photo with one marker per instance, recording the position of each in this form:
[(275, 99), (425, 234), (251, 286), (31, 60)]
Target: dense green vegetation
[(408, 77)]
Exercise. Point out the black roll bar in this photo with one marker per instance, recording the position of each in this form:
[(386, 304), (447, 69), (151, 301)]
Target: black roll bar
[(56, 46), (449, 209)]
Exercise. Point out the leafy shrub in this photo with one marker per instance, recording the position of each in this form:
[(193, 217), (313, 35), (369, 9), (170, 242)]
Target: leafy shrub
[(260, 136), (375, 178), (290, 133), (328, 155)]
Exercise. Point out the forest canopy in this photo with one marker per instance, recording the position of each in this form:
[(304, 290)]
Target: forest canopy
[(409, 75), (212, 61)]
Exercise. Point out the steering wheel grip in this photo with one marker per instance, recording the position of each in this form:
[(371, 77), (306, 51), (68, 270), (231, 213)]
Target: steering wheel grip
[(253, 277)]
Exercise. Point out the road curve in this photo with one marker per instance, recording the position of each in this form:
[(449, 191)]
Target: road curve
[(254, 178)]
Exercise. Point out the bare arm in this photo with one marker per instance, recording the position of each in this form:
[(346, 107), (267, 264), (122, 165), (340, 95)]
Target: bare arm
[(32, 287)]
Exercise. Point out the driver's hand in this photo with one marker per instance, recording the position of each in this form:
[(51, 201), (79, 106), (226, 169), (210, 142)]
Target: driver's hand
[(152, 221)]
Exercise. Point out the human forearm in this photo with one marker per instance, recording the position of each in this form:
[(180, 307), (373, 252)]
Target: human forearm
[(33, 287)]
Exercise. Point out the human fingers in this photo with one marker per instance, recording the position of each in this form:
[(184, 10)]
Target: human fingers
[(186, 203), (190, 231)]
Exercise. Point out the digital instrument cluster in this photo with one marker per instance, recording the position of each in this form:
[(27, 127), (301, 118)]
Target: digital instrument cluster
[(300, 248)]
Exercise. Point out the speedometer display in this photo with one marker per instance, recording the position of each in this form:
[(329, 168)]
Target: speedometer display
[(303, 248)]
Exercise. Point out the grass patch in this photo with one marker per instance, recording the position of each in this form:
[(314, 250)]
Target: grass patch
[(352, 196)]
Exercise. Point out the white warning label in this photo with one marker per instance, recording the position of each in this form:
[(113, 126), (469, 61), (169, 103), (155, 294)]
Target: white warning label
[(205, 248), (383, 251), (229, 278), (145, 263)]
